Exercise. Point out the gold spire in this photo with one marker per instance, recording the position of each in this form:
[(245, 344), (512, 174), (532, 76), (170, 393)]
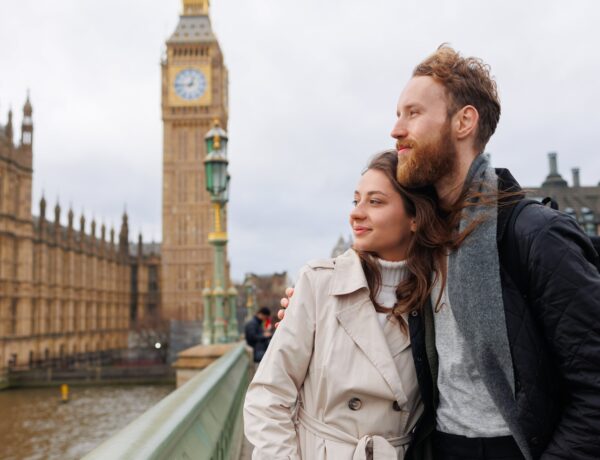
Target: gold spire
[(195, 7)]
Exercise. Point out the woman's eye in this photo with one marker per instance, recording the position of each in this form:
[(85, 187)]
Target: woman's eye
[(412, 113), (374, 201), (354, 203)]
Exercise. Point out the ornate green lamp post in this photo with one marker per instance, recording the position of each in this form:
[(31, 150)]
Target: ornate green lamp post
[(207, 323), (217, 184), (232, 326), (250, 303)]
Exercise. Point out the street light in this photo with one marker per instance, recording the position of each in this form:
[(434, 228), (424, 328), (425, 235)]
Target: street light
[(250, 304), (232, 326), (217, 184)]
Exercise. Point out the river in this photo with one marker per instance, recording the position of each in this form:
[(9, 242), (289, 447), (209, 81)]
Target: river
[(35, 425)]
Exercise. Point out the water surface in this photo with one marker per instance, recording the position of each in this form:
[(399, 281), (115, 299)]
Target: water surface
[(35, 425)]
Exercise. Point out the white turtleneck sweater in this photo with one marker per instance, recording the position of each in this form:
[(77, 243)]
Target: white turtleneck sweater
[(392, 273)]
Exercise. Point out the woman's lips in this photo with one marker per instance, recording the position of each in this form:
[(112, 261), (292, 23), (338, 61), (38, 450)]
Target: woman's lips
[(360, 230)]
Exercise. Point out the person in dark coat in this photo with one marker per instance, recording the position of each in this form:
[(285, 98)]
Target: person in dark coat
[(256, 336), (508, 352)]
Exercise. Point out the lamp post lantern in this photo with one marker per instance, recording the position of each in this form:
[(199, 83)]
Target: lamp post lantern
[(217, 184)]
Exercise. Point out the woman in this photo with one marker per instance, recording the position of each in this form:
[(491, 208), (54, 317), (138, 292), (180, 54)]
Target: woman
[(338, 380)]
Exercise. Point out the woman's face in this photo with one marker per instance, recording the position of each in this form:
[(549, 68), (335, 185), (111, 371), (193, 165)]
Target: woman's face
[(379, 220)]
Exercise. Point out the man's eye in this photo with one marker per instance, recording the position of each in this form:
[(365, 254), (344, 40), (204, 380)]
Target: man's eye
[(412, 113)]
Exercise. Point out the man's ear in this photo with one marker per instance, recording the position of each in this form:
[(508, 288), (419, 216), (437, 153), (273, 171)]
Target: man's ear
[(465, 122)]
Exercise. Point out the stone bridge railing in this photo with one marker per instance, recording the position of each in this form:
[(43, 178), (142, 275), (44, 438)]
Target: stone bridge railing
[(200, 420)]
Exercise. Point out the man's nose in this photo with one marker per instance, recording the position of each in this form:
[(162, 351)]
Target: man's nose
[(399, 129)]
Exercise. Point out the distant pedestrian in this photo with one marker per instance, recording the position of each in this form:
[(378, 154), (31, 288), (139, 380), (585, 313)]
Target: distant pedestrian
[(256, 336)]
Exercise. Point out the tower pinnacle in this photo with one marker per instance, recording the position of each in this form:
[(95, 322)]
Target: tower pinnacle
[(195, 7), (27, 125)]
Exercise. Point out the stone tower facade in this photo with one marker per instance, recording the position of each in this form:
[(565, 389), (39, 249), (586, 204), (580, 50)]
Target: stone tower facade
[(194, 96)]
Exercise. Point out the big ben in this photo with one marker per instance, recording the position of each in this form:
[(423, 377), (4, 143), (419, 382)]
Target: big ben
[(194, 97)]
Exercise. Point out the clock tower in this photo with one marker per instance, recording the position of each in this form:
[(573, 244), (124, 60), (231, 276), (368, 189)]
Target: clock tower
[(194, 97)]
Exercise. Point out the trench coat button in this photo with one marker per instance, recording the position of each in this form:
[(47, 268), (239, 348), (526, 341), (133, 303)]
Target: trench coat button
[(355, 404), (396, 406), (414, 313)]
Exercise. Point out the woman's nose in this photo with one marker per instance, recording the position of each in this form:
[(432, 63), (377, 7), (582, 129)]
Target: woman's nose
[(357, 213)]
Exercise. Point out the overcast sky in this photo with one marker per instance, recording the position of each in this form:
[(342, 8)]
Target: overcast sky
[(313, 87)]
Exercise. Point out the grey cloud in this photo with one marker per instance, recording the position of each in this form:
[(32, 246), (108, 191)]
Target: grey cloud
[(313, 87)]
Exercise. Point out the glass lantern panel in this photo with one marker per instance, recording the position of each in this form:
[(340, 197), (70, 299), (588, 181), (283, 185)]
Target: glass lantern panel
[(208, 170), (219, 176)]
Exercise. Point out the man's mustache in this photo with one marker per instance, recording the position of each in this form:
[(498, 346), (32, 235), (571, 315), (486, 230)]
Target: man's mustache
[(405, 143)]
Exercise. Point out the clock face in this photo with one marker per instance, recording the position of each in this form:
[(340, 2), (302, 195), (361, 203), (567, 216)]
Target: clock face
[(190, 84)]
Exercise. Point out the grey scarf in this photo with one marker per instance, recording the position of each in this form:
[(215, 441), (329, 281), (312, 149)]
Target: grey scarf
[(474, 288)]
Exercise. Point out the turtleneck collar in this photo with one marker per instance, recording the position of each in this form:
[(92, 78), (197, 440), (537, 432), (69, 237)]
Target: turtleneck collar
[(392, 273)]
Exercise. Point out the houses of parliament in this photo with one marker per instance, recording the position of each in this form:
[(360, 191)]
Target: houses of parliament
[(74, 289)]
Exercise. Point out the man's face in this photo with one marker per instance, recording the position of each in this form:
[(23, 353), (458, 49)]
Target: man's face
[(426, 150)]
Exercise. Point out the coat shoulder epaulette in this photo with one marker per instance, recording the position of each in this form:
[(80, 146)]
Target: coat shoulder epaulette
[(319, 264)]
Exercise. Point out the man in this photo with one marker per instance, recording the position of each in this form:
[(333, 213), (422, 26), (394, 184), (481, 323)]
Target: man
[(256, 336), (516, 360)]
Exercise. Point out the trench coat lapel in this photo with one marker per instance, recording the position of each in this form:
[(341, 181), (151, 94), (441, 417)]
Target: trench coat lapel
[(395, 338), (357, 316)]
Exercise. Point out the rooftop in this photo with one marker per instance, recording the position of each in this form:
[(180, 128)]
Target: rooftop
[(192, 29)]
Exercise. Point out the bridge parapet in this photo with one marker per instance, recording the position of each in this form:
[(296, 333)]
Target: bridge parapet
[(201, 420)]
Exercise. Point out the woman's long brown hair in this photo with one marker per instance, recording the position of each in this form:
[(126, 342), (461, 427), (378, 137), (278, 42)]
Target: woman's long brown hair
[(425, 258)]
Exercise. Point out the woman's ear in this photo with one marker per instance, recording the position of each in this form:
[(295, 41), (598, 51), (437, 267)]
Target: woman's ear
[(413, 225)]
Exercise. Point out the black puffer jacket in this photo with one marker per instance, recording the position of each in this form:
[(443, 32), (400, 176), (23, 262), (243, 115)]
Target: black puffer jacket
[(553, 329)]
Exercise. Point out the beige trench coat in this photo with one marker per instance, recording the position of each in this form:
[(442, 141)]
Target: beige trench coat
[(355, 382)]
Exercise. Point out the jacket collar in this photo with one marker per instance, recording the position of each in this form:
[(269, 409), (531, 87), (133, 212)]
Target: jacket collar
[(506, 183), (348, 274)]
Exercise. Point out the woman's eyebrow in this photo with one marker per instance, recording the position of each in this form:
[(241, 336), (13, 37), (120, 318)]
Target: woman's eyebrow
[(376, 192), (372, 192)]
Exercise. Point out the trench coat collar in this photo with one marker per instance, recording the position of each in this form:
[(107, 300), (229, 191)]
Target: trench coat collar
[(357, 316), (348, 274)]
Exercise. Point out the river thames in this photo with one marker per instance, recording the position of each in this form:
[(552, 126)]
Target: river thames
[(35, 425)]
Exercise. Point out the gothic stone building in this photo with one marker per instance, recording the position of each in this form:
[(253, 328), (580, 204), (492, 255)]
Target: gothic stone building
[(63, 292)]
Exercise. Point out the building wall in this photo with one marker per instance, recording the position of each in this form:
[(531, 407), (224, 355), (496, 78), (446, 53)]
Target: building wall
[(78, 300), (145, 285), (582, 202), (62, 292)]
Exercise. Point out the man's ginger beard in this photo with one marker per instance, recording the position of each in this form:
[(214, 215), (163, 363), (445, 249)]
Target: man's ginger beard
[(426, 164)]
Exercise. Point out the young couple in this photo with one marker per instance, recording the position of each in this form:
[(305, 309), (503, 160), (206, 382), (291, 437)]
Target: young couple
[(449, 330)]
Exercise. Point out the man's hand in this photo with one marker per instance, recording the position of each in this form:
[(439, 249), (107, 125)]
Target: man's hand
[(289, 292)]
